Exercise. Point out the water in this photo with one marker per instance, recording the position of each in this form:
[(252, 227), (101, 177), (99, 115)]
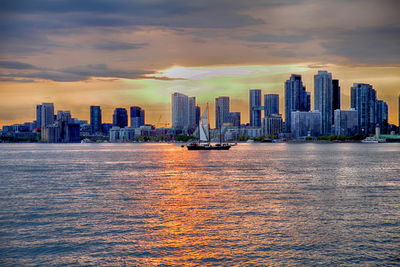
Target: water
[(257, 204)]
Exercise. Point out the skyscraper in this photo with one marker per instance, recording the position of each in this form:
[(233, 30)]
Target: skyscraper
[(137, 117), (346, 122), (363, 98), (234, 118), (271, 104), (179, 110), (95, 119), (39, 115), (221, 111), (323, 99), (335, 98), (120, 117), (183, 111), (197, 119), (47, 118), (296, 99), (382, 115), (192, 111), (306, 123), (255, 107)]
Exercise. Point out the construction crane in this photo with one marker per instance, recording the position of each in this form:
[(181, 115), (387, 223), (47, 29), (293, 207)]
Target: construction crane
[(160, 124)]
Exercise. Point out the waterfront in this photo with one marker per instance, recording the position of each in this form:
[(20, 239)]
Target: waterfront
[(256, 204)]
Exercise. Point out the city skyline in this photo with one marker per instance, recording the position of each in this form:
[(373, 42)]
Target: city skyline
[(120, 54)]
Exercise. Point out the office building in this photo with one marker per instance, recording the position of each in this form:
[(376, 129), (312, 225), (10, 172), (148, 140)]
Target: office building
[(306, 123), (272, 125), (323, 99), (271, 104), (221, 111), (192, 112), (363, 99), (296, 99), (255, 107), (38, 115), (120, 117), (47, 119), (234, 118), (198, 114), (382, 116), (137, 117), (335, 97), (95, 119), (180, 110), (346, 122)]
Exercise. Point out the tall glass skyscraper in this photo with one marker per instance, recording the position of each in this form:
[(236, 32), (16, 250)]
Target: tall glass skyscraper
[(47, 119), (382, 115), (183, 111), (137, 117), (323, 99), (255, 107), (39, 115), (296, 99), (95, 119), (335, 98), (120, 118), (221, 111), (271, 104), (363, 99), (192, 112)]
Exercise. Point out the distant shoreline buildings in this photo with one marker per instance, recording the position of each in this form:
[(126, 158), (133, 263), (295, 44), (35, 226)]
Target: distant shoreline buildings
[(366, 114)]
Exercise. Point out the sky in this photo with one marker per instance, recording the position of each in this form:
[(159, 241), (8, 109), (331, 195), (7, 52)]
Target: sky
[(124, 53)]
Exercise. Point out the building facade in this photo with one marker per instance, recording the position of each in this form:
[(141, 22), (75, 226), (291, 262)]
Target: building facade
[(221, 111), (95, 119), (120, 117), (180, 110), (335, 98), (234, 118), (296, 99), (137, 117), (363, 99), (346, 122), (255, 107), (47, 119), (323, 99), (382, 116), (271, 104), (306, 123), (272, 125)]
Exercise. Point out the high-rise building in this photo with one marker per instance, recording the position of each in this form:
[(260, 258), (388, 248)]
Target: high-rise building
[(306, 123), (39, 115), (198, 111), (346, 122), (255, 107), (47, 119), (323, 99), (120, 117), (363, 99), (180, 110), (296, 99), (382, 116), (335, 98), (95, 119), (137, 117), (184, 111), (221, 111), (271, 104), (399, 113), (234, 118), (192, 112), (272, 125)]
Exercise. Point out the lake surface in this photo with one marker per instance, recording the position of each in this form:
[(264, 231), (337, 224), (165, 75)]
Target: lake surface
[(150, 204)]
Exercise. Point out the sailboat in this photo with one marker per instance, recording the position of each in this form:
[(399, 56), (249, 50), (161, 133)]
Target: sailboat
[(204, 132)]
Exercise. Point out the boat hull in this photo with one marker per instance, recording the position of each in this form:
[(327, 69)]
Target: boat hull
[(208, 147)]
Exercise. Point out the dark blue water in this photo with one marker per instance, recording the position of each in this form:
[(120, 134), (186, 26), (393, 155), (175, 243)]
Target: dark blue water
[(257, 204)]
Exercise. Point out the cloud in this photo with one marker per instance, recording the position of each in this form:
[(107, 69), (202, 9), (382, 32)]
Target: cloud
[(115, 46), (16, 65), (274, 38), (77, 73), (377, 45)]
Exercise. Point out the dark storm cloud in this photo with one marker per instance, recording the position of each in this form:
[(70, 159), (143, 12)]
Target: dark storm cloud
[(379, 45), (77, 73), (115, 46), (16, 65)]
